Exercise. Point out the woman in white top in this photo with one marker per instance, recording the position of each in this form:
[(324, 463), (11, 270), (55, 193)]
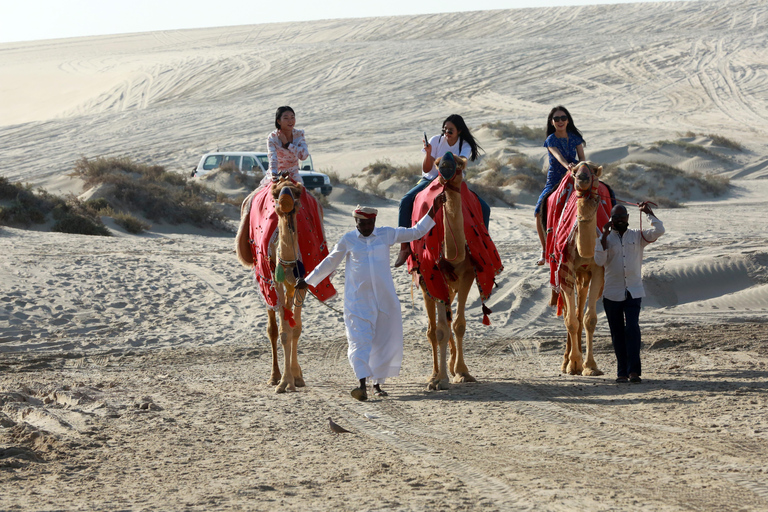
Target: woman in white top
[(456, 138), (285, 147)]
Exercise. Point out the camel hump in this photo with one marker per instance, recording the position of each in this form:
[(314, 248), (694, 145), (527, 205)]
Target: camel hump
[(242, 241)]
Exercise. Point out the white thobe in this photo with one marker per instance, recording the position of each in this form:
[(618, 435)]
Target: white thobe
[(623, 260), (372, 316)]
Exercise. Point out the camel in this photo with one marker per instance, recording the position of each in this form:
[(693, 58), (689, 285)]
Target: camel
[(581, 281), (284, 259), (459, 273)]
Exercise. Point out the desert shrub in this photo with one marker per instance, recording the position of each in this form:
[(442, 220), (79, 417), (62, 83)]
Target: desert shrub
[(382, 170), (492, 163), (643, 180), (72, 216), (719, 140), (333, 176), (98, 205), (158, 194), (511, 131), (26, 206), (130, 223)]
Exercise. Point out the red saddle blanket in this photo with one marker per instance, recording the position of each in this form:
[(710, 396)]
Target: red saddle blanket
[(428, 251), (561, 226), (312, 246)]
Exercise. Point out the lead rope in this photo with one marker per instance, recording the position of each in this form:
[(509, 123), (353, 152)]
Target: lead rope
[(641, 217)]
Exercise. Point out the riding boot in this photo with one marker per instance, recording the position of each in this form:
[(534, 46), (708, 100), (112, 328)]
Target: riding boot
[(405, 251)]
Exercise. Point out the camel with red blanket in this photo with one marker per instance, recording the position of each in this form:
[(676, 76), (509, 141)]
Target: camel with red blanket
[(281, 238), (576, 213), (455, 253)]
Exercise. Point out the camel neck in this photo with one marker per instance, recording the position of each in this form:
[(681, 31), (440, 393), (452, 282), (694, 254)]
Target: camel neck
[(454, 241)]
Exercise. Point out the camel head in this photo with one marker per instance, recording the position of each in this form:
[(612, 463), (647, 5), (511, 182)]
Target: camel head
[(586, 176), (287, 195), (451, 169), (586, 180)]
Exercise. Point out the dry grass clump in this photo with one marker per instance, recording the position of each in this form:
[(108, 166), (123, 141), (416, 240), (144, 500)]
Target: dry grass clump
[(333, 176), (26, 207), (513, 132), (382, 170), (663, 184), (157, 194), (721, 141)]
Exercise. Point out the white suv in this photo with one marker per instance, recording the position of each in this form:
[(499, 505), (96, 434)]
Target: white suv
[(257, 164)]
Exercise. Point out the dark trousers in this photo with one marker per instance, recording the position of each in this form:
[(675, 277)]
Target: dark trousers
[(406, 205), (623, 320)]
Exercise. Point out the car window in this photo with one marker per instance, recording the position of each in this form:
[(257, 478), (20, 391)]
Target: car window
[(233, 159), (248, 163), (306, 164), (212, 162), (264, 161)]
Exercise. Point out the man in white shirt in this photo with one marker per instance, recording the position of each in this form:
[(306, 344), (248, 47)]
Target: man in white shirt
[(372, 315), (620, 251)]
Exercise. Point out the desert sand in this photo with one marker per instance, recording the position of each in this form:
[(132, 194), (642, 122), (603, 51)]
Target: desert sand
[(133, 368)]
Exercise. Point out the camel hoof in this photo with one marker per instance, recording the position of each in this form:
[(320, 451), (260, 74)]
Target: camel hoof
[(463, 377), (280, 388), (573, 370), (299, 382), (564, 368), (438, 385), (274, 380), (591, 372)]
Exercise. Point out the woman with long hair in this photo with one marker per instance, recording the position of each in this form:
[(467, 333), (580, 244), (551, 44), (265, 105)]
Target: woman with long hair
[(565, 147), (456, 138)]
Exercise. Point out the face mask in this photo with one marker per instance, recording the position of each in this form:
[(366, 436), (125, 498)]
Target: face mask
[(620, 226)]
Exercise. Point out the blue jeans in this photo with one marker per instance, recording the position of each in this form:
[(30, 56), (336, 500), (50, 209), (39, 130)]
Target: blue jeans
[(623, 320), (406, 205)]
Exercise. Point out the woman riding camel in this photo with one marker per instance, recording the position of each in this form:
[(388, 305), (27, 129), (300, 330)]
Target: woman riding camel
[(566, 148), (456, 138)]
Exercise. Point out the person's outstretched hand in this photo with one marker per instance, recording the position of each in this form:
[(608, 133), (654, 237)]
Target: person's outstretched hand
[(645, 208)]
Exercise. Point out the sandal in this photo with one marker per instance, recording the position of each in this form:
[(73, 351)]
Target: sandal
[(622, 379), (542, 260)]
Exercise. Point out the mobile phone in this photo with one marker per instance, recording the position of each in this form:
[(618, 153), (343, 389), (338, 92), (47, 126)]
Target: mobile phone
[(426, 140)]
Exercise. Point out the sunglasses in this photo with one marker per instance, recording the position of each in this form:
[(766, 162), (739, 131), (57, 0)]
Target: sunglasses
[(448, 131), (559, 119)]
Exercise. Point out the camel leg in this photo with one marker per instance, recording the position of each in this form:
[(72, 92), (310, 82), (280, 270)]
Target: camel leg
[(286, 338), (298, 376), (452, 352), (429, 305), (572, 324), (272, 335), (459, 328), (443, 332), (590, 319), (567, 354)]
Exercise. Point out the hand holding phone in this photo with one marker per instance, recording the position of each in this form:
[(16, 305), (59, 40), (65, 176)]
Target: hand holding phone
[(426, 140)]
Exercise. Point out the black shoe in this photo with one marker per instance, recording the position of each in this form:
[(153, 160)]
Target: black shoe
[(622, 379), (635, 378)]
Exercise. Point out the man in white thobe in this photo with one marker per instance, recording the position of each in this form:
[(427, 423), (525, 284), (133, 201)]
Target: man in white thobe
[(372, 315)]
